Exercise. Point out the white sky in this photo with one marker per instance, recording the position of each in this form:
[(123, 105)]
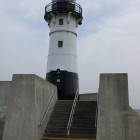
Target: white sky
[(108, 41)]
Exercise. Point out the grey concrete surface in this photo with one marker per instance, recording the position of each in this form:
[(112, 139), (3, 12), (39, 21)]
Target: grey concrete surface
[(29, 98), (4, 92), (138, 111), (5, 87), (88, 96), (116, 119), (3, 110), (2, 121)]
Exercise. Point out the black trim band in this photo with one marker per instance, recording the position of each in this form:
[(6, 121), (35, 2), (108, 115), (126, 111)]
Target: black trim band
[(66, 82)]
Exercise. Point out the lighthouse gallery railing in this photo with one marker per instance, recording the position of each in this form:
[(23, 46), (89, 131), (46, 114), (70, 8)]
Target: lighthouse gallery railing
[(63, 6)]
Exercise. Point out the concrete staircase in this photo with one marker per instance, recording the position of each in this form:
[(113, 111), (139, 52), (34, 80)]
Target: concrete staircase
[(84, 120), (83, 125)]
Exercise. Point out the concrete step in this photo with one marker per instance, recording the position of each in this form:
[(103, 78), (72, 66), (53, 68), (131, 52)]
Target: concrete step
[(72, 136), (51, 138), (83, 125), (82, 136)]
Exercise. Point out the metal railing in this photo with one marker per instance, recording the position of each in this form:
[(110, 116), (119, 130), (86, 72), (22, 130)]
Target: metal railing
[(96, 117), (47, 110), (72, 112), (63, 6), (73, 1)]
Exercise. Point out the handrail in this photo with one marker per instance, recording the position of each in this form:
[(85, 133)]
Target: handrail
[(48, 108), (72, 112), (96, 117)]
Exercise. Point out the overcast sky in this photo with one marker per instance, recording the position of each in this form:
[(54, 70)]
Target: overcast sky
[(108, 41)]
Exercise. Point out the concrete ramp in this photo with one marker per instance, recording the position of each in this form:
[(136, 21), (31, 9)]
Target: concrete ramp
[(116, 119)]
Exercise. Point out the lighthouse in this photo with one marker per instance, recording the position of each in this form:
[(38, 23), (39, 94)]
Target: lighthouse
[(63, 17)]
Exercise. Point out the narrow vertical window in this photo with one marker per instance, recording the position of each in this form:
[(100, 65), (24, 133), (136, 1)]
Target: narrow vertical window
[(58, 81), (60, 43), (61, 22)]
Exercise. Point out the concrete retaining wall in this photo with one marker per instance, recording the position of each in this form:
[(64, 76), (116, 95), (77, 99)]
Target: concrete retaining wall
[(88, 96), (5, 87), (4, 92), (138, 111), (28, 101), (116, 119)]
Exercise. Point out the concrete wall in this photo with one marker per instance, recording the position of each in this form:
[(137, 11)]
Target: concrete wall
[(28, 101), (138, 111), (88, 96), (4, 92), (116, 119)]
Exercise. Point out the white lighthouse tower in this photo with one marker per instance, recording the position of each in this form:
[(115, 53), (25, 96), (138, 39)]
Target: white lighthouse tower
[(63, 17)]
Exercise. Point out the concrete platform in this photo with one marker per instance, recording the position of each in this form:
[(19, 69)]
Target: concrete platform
[(28, 97)]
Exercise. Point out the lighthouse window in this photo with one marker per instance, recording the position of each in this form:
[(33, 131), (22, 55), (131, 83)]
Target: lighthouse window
[(61, 21), (58, 80), (60, 43)]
